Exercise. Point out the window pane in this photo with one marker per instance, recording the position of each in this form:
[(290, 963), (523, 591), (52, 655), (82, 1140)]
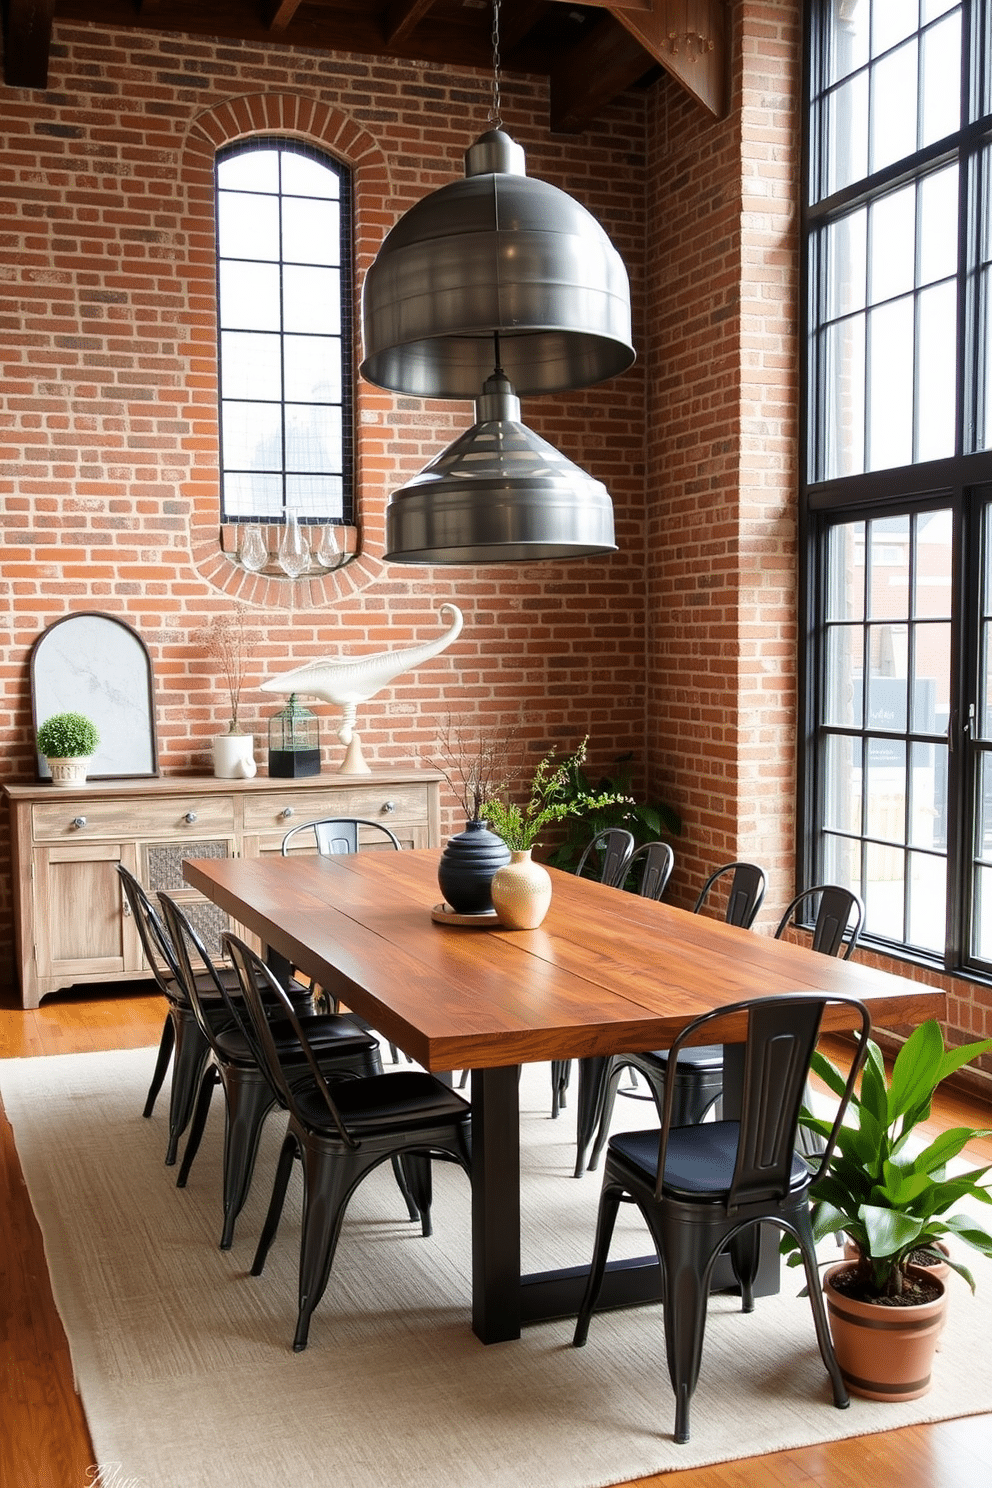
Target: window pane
[(843, 373), (927, 900), (304, 176), (932, 580), (884, 887), (317, 495), (846, 571), (842, 700), (249, 365), (928, 814), (890, 385), (845, 247), (311, 300), (885, 790), (313, 438), (938, 226), (848, 133), (313, 369), (936, 401), (249, 297), (258, 496), (893, 106), (848, 41), (887, 677), (893, 245), (247, 226), (941, 112), (889, 555), (252, 435), (842, 785), (311, 232), (931, 687), (842, 862), (255, 169)]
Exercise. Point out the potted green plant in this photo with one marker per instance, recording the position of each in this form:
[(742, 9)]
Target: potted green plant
[(647, 821), (68, 740), (521, 891), (895, 1200)]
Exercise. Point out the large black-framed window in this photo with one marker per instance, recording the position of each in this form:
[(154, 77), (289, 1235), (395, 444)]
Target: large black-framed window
[(284, 298), (896, 758)]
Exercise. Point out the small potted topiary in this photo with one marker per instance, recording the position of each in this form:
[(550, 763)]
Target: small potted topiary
[(67, 740)]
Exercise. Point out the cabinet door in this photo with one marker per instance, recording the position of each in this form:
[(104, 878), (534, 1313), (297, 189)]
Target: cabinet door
[(80, 929), (162, 868)]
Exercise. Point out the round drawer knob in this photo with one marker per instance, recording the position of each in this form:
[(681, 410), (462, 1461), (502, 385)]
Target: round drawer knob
[(286, 812), (190, 817), (388, 806), (78, 822)]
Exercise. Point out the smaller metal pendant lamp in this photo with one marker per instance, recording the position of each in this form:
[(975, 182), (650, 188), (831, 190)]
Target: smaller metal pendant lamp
[(493, 286)]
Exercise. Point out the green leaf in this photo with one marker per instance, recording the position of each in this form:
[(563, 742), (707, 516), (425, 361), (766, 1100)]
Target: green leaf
[(915, 1072), (889, 1232)]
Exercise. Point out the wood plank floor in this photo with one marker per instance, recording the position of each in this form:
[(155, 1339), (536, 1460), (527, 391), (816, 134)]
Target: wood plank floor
[(44, 1442)]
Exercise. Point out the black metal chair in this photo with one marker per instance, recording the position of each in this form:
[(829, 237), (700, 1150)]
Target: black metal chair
[(651, 866), (181, 1033), (838, 918), (745, 892), (701, 1188), (341, 1047), (341, 1133), (606, 857)]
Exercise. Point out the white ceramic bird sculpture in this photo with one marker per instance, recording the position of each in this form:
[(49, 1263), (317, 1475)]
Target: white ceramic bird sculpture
[(346, 683)]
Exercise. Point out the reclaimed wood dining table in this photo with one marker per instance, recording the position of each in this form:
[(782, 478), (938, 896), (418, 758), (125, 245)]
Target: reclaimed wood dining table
[(607, 972)]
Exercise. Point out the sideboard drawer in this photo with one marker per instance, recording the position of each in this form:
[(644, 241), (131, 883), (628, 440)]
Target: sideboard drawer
[(193, 815), (386, 803)]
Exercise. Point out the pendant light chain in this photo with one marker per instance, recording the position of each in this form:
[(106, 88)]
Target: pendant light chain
[(495, 114)]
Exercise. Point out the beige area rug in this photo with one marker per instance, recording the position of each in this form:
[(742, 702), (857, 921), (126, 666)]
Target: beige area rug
[(184, 1362)]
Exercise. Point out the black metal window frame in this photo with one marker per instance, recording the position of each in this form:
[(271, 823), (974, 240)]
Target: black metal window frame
[(961, 482), (346, 340)]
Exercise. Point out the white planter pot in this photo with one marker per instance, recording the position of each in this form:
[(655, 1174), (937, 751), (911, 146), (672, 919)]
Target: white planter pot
[(70, 770), (234, 756)]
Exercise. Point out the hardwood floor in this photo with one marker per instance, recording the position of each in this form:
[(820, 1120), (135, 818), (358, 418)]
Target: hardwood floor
[(45, 1443)]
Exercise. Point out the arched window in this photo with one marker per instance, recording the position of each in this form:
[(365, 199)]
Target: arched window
[(284, 296)]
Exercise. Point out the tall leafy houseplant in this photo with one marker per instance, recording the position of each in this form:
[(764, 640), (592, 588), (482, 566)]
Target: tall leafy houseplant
[(647, 821), (894, 1202)]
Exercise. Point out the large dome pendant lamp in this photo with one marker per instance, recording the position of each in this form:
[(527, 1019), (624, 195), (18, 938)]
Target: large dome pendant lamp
[(494, 286)]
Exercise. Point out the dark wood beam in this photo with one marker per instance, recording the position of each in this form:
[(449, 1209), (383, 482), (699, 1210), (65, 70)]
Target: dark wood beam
[(279, 13), (400, 19), (689, 39), (592, 73), (27, 40)]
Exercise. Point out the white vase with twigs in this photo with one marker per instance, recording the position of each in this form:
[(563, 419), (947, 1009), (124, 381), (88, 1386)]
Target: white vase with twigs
[(227, 641)]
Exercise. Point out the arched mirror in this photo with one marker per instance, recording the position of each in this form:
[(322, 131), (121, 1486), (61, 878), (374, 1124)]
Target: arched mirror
[(97, 665)]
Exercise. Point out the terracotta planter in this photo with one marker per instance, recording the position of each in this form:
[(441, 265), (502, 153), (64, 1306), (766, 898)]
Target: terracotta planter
[(884, 1353), (521, 892)]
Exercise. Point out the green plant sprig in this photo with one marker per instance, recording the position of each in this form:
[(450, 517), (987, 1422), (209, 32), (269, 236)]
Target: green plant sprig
[(889, 1202), (67, 736), (520, 826)]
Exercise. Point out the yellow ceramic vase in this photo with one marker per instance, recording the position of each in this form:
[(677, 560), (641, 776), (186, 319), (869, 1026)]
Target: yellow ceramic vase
[(521, 892)]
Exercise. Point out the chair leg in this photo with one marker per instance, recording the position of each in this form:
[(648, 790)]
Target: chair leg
[(606, 1113), (249, 1101), (561, 1069), (594, 1074), (192, 1052), (744, 1250), (609, 1205), (284, 1168), (161, 1064), (804, 1234), (198, 1124), (404, 1187), (417, 1170), (327, 1187), (687, 1277)]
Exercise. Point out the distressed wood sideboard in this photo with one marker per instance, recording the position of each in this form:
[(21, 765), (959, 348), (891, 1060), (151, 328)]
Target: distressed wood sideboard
[(71, 923)]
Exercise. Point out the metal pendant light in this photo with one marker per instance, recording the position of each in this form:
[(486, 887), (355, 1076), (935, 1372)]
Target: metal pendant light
[(502, 284), (499, 494)]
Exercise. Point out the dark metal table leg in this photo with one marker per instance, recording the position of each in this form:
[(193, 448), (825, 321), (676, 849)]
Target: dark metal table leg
[(496, 1203)]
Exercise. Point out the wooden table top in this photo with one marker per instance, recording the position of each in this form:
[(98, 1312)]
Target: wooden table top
[(606, 972)]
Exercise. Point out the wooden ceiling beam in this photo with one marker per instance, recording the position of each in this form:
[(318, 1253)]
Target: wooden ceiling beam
[(402, 18), (27, 40), (689, 39), (279, 13), (592, 73)]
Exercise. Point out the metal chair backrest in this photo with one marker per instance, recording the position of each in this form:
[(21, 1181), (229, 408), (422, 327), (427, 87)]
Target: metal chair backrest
[(836, 908), (186, 938), (781, 1036), (616, 845), (652, 867), (258, 985), (337, 834), (159, 952), (744, 896)]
